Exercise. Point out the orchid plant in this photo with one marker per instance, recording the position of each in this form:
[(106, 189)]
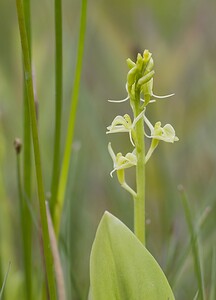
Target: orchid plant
[(120, 266), (139, 83)]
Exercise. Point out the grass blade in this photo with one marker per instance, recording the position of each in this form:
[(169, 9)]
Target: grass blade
[(37, 157), (194, 243), (71, 124), (58, 103), (4, 282), (56, 257), (25, 220), (212, 295), (27, 170)]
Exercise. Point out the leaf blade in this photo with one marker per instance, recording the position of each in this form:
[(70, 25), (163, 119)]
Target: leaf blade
[(122, 268)]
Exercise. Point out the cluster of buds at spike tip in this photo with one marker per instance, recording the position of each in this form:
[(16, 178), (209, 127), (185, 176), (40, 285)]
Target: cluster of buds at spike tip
[(139, 87)]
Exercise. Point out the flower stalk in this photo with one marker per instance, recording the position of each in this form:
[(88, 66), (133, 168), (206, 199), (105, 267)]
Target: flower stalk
[(139, 200), (139, 87)]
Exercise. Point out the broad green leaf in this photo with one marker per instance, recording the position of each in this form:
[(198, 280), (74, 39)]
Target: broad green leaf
[(121, 268)]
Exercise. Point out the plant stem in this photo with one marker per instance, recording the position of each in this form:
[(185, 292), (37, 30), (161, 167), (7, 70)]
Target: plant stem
[(40, 187), (24, 219), (212, 293), (4, 282), (194, 244), (71, 124), (139, 200), (27, 167), (58, 104), (1, 270)]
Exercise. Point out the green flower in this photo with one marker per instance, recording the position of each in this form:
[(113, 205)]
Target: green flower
[(166, 133), (120, 163), (124, 124), (147, 90), (140, 78)]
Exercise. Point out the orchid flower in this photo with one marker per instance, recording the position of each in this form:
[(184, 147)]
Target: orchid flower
[(166, 133), (124, 124), (120, 163)]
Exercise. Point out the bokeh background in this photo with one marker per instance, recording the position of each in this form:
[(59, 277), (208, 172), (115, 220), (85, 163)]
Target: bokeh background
[(181, 36)]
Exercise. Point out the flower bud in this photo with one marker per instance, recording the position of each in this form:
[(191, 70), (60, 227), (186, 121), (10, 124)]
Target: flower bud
[(131, 76), (139, 62), (146, 56), (17, 145), (149, 66), (147, 88), (130, 63), (145, 78)]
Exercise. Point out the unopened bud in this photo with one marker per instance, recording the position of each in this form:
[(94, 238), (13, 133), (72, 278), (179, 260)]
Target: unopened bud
[(17, 145)]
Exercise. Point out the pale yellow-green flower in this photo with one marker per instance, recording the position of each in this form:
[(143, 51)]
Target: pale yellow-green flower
[(124, 124), (120, 163), (166, 133)]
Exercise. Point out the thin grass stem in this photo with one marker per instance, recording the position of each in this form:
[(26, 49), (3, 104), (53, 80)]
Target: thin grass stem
[(1, 274), (57, 260), (58, 104), (31, 103), (27, 169), (4, 282), (71, 124), (194, 244), (212, 295), (24, 222)]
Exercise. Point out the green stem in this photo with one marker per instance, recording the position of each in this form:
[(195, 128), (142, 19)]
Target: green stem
[(212, 294), (24, 215), (4, 282), (40, 187), (1, 270), (194, 244), (139, 200), (27, 167), (71, 124), (58, 104)]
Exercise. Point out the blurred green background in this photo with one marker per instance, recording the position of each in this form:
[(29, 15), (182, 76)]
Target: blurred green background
[(181, 36)]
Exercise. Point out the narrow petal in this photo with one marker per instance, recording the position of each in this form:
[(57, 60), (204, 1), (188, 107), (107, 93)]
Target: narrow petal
[(138, 118), (119, 101), (111, 152), (148, 123), (163, 97)]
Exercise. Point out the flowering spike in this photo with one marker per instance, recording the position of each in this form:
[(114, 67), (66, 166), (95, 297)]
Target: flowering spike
[(139, 82)]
